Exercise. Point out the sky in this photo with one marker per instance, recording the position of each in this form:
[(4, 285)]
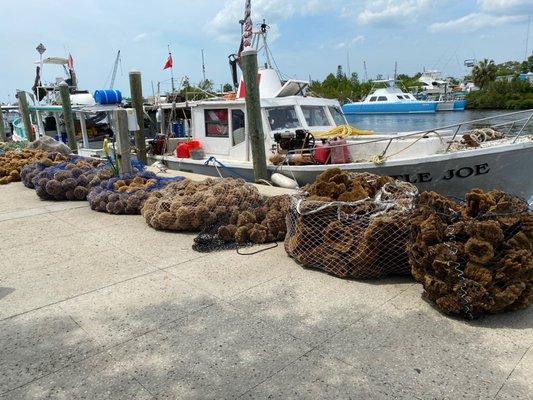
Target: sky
[(308, 38)]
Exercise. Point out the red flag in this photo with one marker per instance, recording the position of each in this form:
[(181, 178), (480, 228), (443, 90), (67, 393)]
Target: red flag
[(168, 63), (70, 63)]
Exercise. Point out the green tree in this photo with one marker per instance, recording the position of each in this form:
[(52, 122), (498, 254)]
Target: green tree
[(228, 87), (206, 85), (483, 73)]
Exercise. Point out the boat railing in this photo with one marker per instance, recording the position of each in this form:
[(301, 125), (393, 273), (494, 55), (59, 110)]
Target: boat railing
[(524, 121)]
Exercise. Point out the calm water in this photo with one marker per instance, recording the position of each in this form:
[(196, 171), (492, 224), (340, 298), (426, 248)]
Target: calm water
[(417, 122)]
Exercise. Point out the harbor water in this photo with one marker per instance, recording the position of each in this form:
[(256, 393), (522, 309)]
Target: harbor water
[(393, 123)]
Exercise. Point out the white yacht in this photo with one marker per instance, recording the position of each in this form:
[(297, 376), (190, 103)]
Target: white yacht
[(389, 99)]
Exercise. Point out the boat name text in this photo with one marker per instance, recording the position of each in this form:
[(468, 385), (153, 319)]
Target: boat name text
[(463, 172)]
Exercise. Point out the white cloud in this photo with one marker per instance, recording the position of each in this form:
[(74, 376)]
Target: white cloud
[(392, 13), (224, 26), (356, 40), (140, 37), (492, 13), (475, 21), (507, 7)]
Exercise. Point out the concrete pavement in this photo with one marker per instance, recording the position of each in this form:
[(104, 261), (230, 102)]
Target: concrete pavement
[(95, 306)]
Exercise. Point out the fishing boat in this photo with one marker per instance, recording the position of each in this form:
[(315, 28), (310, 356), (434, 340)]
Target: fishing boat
[(306, 135), (434, 87), (386, 98)]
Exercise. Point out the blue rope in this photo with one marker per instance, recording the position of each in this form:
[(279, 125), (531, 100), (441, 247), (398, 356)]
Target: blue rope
[(214, 160)]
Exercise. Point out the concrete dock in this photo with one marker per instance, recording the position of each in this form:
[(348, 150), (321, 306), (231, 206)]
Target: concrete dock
[(95, 306)]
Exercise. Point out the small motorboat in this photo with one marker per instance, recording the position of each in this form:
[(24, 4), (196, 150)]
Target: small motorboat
[(389, 99)]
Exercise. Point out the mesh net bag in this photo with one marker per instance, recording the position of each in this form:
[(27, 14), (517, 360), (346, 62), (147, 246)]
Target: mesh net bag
[(126, 194), (191, 206), (12, 162), (73, 180), (262, 222), (473, 258), (352, 224), (30, 171)]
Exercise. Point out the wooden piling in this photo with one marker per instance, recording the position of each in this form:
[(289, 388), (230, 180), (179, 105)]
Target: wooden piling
[(3, 136), (137, 103), (25, 114), (253, 114), (68, 117), (122, 135)]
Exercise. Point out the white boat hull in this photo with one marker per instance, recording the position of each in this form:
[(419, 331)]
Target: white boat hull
[(506, 167)]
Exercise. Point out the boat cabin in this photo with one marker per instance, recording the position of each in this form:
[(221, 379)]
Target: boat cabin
[(220, 125), (390, 93)]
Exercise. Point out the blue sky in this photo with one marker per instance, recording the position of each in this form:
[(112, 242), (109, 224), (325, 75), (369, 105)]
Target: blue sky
[(308, 37)]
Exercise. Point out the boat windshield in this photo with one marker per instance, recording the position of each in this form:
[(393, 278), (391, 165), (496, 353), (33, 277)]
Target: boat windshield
[(315, 115), (337, 115), (282, 118)]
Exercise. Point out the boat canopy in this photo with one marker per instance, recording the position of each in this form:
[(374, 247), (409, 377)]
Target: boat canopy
[(53, 60)]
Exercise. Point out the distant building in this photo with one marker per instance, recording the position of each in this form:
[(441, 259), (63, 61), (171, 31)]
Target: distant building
[(526, 77), (505, 78)]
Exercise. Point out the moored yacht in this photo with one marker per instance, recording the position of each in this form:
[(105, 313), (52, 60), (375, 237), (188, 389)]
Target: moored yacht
[(389, 99)]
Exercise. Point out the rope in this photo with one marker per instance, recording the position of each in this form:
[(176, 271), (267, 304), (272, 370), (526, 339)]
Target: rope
[(215, 162)]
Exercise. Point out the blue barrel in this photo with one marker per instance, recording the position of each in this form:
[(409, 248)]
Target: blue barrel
[(178, 128), (108, 96)]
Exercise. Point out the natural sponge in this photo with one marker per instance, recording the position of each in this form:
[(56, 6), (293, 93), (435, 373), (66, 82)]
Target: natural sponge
[(480, 260), (352, 224)]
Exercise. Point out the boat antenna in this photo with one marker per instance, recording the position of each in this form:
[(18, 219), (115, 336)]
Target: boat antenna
[(171, 68), (395, 69), (203, 64)]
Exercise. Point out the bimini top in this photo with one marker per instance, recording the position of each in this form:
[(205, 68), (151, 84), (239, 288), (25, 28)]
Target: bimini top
[(53, 60)]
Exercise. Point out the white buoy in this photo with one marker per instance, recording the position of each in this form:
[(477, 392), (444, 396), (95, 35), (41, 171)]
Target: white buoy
[(283, 181)]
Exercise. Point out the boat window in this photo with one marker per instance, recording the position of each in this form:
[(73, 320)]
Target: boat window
[(373, 98), (282, 118), (237, 126), (337, 115), (382, 98), (400, 97), (216, 122), (315, 116)]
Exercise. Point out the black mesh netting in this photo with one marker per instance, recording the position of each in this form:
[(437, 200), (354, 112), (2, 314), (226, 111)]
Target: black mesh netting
[(352, 224), (126, 194), (226, 211), (474, 258)]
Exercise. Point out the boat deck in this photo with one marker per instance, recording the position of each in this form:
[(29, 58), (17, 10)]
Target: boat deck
[(100, 306)]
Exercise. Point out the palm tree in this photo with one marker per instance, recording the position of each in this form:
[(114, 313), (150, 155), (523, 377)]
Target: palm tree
[(484, 73)]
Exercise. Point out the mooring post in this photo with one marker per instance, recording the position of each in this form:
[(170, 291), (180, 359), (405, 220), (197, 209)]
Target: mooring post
[(137, 103), (122, 135), (253, 114), (3, 136), (83, 126), (25, 113), (68, 117)]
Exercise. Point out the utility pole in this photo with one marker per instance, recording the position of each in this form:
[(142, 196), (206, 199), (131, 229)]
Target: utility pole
[(366, 73), (25, 113), (67, 117), (137, 103), (3, 137), (527, 37), (395, 69), (253, 113), (348, 62)]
